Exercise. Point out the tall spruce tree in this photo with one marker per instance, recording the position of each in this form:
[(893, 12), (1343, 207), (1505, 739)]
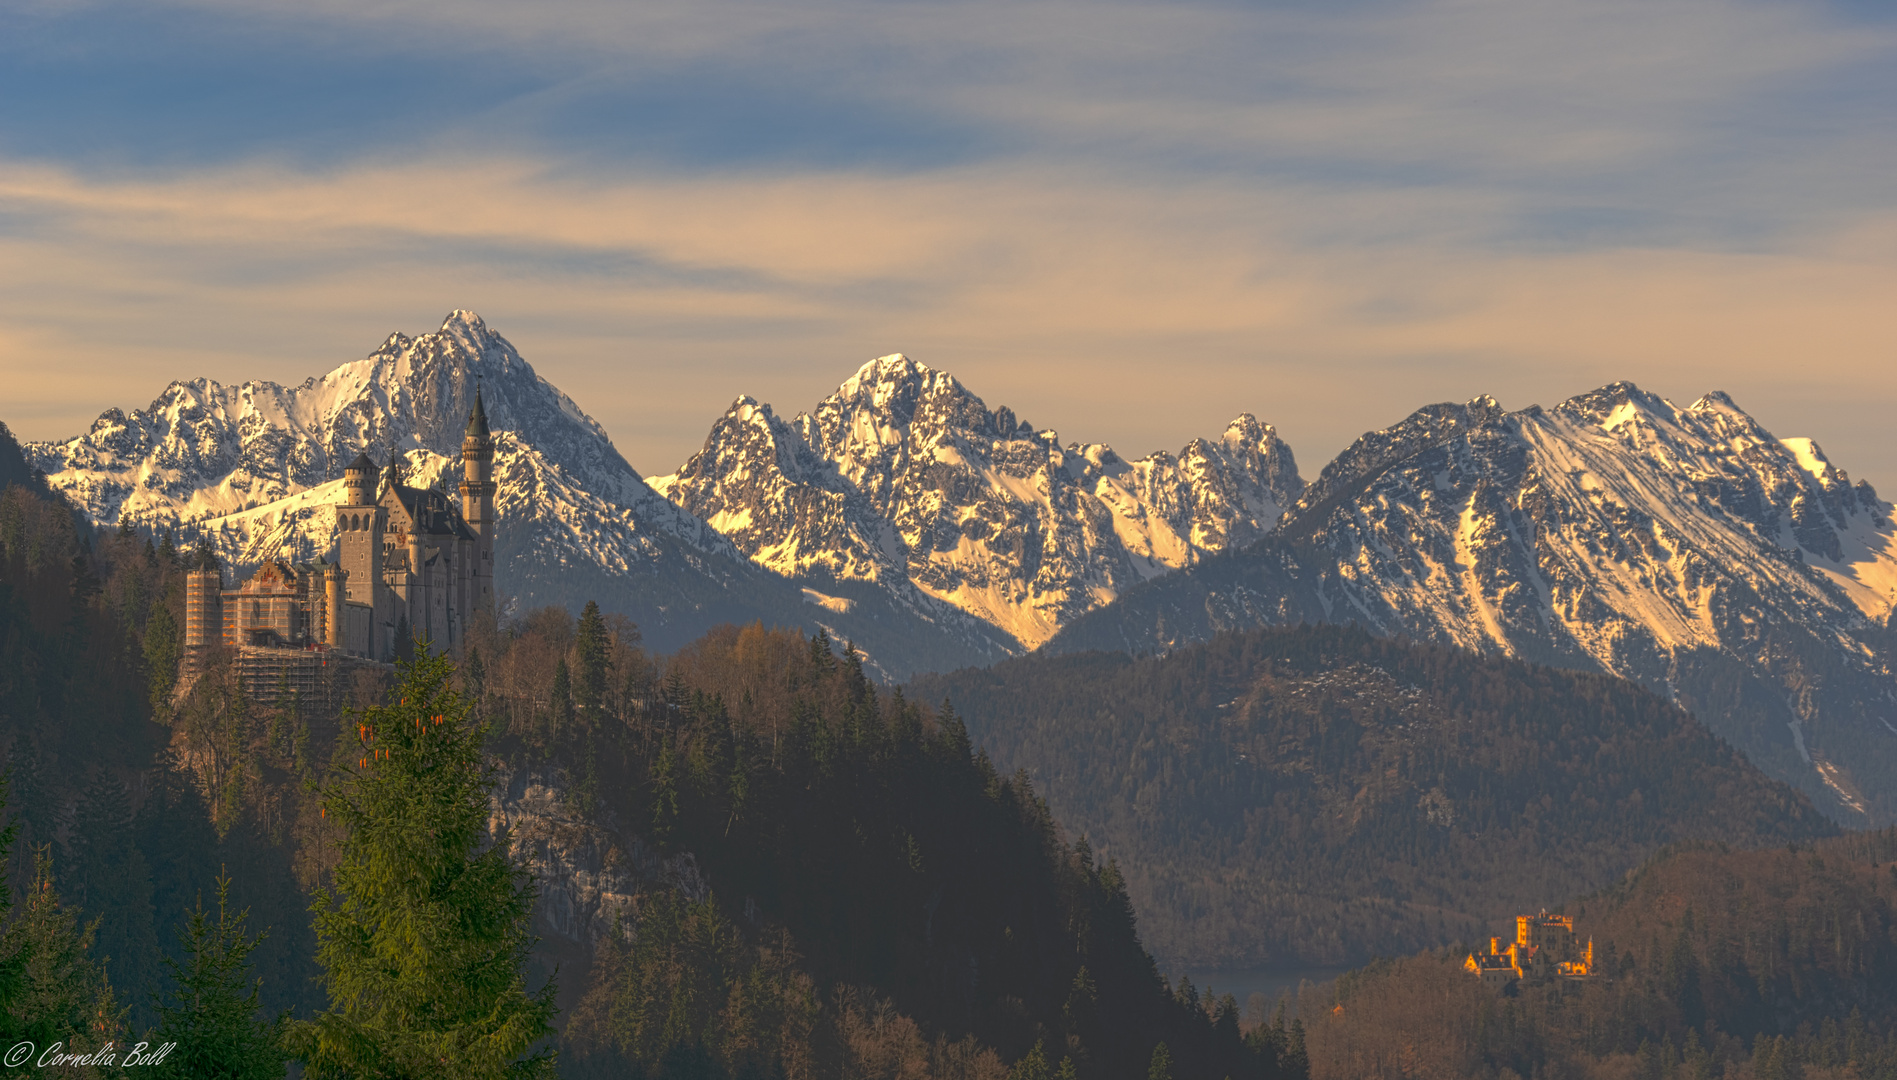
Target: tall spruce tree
[(210, 1015), (592, 647), (164, 647), (111, 881), (424, 942), (560, 710), (54, 990), (404, 639)]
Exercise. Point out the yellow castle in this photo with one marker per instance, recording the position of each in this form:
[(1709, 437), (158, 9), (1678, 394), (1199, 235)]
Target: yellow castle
[(1544, 946)]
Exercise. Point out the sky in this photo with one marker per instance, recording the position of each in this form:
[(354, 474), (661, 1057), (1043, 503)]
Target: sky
[(1128, 222)]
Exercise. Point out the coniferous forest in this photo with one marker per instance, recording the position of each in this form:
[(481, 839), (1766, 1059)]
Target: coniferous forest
[(871, 897), (748, 859), (1321, 796)]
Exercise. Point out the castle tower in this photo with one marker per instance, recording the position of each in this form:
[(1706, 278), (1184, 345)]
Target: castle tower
[(203, 606), (333, 607), (360, 524), (477, 505)]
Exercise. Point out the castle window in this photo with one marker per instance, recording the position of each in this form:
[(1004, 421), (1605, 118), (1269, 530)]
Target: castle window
[(355, 521)]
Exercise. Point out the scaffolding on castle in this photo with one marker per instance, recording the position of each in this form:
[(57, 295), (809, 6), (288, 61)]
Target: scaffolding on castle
[(319, 678)]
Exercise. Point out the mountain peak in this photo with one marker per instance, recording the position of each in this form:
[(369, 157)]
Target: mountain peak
[(885, 377), (462, 319), (1615, 404), (1717, 401)]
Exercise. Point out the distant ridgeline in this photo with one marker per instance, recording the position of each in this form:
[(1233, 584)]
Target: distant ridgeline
[(1319, 795)]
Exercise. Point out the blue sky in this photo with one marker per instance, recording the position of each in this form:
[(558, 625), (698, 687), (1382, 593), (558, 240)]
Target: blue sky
[(1128, 221)]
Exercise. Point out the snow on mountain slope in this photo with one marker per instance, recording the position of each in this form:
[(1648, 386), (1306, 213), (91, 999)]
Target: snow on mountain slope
[(1686, 548), (905, 479), (255, 466), (204, 454)]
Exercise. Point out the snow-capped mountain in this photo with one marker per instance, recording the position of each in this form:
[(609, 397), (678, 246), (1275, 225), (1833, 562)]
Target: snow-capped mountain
[(1686, 548), (905, 480), (208, 455), (254, 467)]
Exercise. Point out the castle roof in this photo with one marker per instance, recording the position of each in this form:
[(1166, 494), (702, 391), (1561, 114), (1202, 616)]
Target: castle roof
[(477, 416), (361, 464)]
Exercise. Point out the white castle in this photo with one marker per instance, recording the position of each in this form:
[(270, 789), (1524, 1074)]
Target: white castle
[(407, 560)]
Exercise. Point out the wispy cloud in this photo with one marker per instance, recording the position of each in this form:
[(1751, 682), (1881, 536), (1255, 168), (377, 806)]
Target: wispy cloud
[(1125, 220)]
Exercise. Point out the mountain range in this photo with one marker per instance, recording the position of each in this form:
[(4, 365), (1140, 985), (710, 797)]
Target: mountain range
[(901, 515), (1738, 574)]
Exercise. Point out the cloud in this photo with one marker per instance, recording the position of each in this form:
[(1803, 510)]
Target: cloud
[(1125, 220), (1111, 311)]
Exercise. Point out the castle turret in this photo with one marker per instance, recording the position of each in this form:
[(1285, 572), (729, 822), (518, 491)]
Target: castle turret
[(360, 525), (359, 482), (333, 635), (203, 604), (477, 504)]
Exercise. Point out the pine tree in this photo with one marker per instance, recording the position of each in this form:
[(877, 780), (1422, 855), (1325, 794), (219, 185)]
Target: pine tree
[(164, 647), (404, 640), (474, 680), (112, 882), (210, 1016), (12, 973), (1031, 1067), (424, 941), (1161, 1066), (592, 647), (560, 718), (54, 991)]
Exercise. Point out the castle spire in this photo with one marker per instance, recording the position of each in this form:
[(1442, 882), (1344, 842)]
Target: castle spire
[(477, 416)]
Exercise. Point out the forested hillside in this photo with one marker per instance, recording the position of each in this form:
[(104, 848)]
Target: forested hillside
[(1752, 965), (96, 785), (1320, 796), (878, 900), (803, 873)]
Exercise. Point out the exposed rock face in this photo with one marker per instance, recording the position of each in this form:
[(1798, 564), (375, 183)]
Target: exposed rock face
[(586, 871), (905, 479), (1686, 548)]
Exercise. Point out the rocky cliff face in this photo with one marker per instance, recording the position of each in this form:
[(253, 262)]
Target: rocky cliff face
[(905, 480), (254, 468), (1687, 548), (586, 869)]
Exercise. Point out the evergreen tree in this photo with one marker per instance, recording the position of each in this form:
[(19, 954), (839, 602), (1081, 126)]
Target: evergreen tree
[(404, 639), (164, 648), (592, 647), (112, 882), (12, 973), (424, 941), (474, 680), (211, 1012), (1031, 1067), (1161, 1067), (560, 714), (54, 991)]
